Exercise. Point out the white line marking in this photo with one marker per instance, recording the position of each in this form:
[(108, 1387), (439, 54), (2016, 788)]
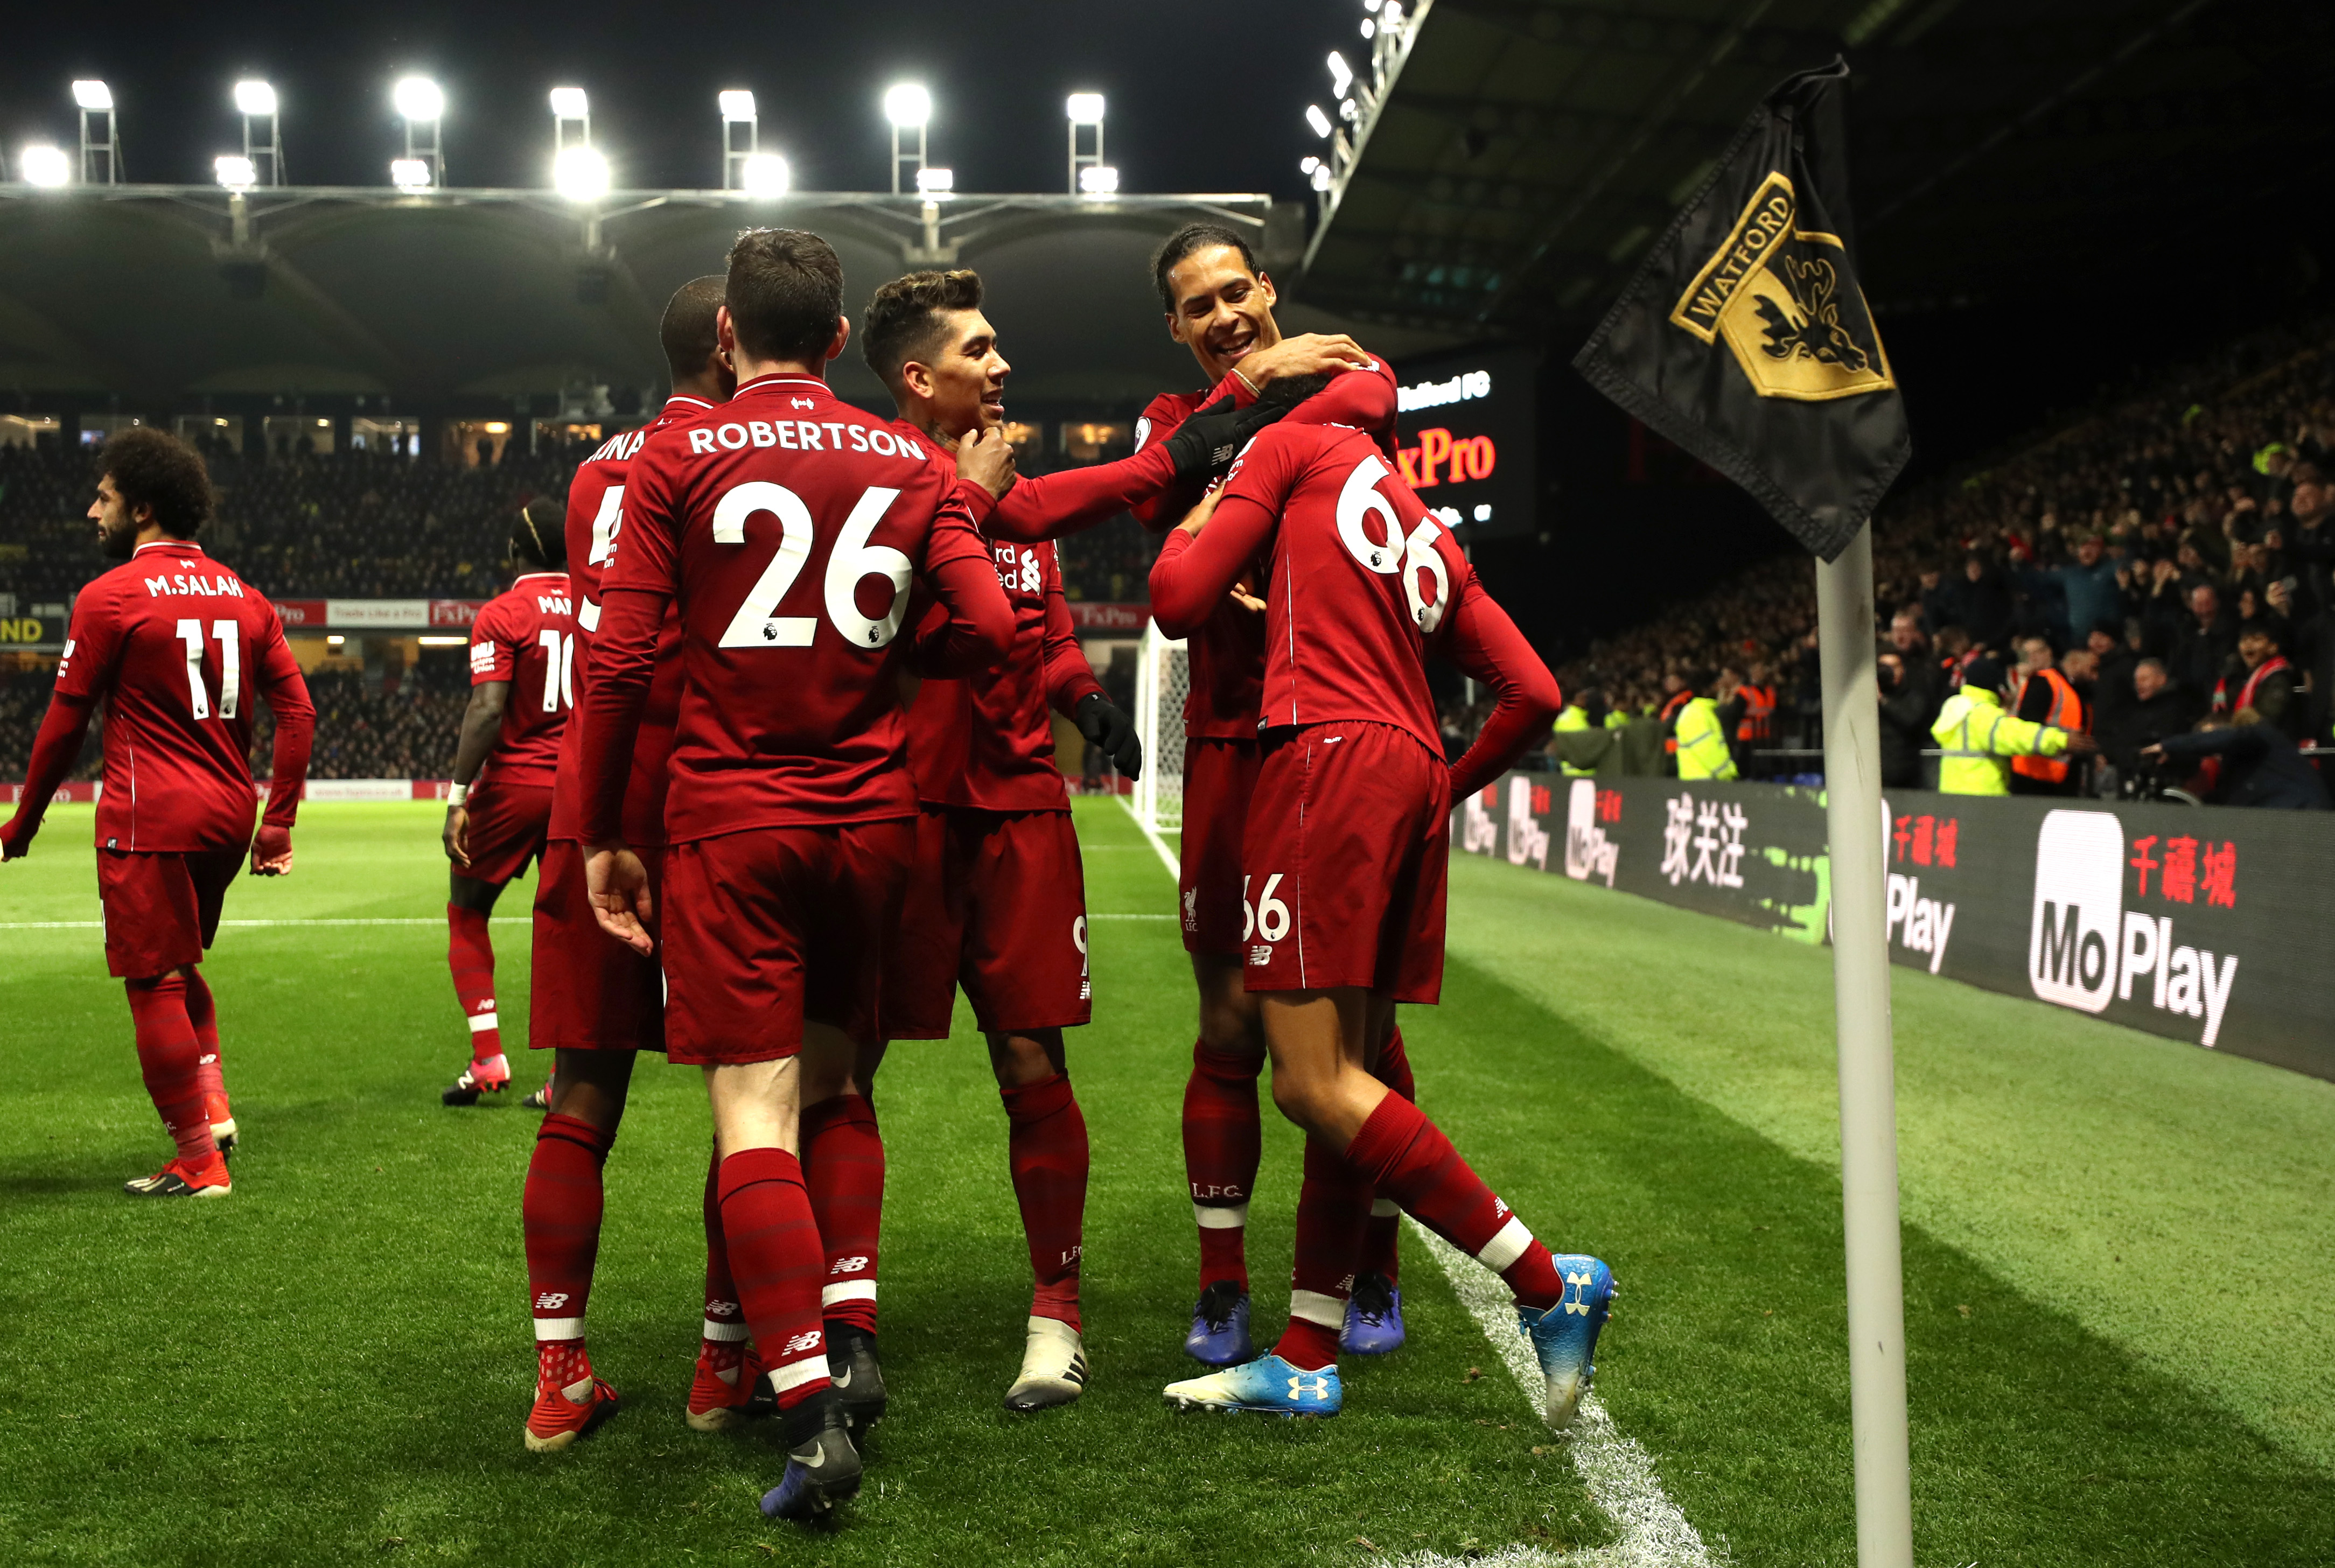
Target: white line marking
[(1130, 916), (1166, 856), (1619, 1473)]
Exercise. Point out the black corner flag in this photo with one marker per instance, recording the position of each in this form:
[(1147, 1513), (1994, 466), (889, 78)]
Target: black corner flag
[(1744, 337)]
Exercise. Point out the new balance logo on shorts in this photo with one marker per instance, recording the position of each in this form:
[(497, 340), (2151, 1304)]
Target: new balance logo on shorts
[(1260, 955)]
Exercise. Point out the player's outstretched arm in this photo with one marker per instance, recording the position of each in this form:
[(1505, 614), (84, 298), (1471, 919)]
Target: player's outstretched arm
[(1486, 645), (978, 631), (287, 690), (1204, 556), (62, 729), (482, 720)]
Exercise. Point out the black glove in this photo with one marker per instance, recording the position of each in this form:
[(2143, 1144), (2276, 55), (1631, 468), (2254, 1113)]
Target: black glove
[(1213, 437), (1106, 724)]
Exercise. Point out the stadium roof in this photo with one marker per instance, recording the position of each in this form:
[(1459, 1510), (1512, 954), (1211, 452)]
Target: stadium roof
[(1522, 153), (160, 293)]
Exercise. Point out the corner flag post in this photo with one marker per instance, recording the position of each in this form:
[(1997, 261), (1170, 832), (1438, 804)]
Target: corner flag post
[(1745, 339), (1855, 832)]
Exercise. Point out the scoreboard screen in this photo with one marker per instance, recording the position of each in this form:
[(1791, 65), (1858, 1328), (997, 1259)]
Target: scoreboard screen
[(1469, 428)]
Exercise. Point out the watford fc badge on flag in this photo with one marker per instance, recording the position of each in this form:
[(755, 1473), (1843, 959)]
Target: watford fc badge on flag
[(1745, 338)]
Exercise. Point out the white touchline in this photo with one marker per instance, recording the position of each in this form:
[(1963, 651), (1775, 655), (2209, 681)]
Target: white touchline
[(1166, 856), (318, 920), (1650, 1532)]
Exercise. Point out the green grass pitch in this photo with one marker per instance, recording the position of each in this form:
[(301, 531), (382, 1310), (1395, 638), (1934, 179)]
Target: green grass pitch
[(2119, 1257)]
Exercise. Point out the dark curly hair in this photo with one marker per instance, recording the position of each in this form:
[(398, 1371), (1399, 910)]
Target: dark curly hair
[(904, 318), (155, 469)]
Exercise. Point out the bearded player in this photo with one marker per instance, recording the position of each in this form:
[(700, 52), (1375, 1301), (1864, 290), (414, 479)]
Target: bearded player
[(1344, 856), (596, 1004), (1220, 306), (997, 903), (177, 647), (522, 683), (787, 527)]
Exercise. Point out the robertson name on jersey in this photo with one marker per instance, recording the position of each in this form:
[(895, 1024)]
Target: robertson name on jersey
[(788, 525)]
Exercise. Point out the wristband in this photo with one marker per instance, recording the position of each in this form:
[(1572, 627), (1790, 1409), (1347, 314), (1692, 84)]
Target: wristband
[(1246, 382), (456, 794)]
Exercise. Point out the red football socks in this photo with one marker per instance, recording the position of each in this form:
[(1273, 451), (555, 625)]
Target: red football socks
[(776, 1258), (1222, 1140), (1046, 1147), (209, 1071), (167, 1055), (843, 1168), (1412, 1162), (470, 953), (723, 1347), (1333, 1206), (1381, 1238), (559, 1214)]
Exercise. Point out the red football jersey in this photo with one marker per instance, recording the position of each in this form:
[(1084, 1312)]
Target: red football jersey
[(987, 740), (1357, 578), (177, 647), (1226, 650), (527, 635), (788, 525), (595, 516)]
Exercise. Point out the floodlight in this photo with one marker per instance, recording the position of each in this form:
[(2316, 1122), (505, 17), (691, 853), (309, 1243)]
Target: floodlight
[(45, 165), (1370, 29), (936, 182), (236, 171), (1308, 164), (568, 103), (1321, 176), (93, 95), (410, 173), (765, 174), (253, 98), (1317, 119), (908, 106), (1099, 179), (418, 98), (1341, 75), (580, 174), (736, 104), (1085, 108)]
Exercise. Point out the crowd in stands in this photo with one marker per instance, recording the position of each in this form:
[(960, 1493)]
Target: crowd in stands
[(2171, 557)]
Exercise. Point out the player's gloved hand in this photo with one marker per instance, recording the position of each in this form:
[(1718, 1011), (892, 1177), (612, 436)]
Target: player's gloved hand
[(17, 837), (1213, 437), (271, 851), (1106, 724)]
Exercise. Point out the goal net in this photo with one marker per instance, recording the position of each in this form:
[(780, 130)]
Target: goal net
[(1162, 677)]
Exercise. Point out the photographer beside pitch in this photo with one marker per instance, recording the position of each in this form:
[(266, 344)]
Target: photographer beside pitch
[(176, 646)]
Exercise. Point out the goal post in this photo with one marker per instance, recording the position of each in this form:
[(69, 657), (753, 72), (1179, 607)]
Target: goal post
[(1162, 678)]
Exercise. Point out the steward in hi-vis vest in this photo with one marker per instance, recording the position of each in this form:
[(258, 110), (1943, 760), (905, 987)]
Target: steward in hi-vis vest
[(2053, 700), (1702, 740), (1980, 740)]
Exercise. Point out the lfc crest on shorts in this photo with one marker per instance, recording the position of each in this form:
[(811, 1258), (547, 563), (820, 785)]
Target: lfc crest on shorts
[(1784, 301)]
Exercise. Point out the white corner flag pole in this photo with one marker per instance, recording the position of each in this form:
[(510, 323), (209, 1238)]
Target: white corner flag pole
[(1868, 1093)]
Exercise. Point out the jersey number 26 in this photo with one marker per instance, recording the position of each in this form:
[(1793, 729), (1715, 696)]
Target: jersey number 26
[(851, 559)]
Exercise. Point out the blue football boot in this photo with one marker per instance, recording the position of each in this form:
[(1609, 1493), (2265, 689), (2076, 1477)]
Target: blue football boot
[(822, 1469), (1373, 1323), (1565, 1337), (1219, 1336), (1268, 1385)]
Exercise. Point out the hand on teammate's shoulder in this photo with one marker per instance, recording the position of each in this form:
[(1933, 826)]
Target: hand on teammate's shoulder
[(985, 457)]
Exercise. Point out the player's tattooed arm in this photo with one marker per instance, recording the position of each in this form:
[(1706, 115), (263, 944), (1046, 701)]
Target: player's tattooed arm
[(481, 721)]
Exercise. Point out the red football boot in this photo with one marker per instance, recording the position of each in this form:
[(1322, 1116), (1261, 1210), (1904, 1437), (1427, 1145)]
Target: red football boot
[(179, 1179), (716, 1403), (559, 1420), (492, 1076)]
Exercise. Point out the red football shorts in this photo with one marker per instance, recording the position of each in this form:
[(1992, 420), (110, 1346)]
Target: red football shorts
[(1346, 862), (590, 991), (508, 824), (772, 926), (1219, 777), (161, 910), (997, 903)]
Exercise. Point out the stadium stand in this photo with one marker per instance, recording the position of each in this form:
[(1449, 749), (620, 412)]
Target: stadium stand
[(2189, 480)]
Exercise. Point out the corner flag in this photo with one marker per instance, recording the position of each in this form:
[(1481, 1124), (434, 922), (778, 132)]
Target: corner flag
[(1745, 338)]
